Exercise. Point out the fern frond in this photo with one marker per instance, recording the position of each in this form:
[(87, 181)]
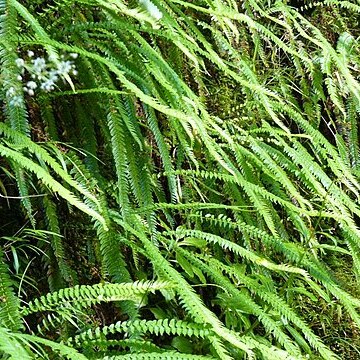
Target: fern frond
[(49, 181), (189, 299), (56, 239), (170, 355), (136, 346), (245, 303), (249, 255), (81, 296), (278, 304), (59, 348), (9, 307), (157, 327), (11, 346)]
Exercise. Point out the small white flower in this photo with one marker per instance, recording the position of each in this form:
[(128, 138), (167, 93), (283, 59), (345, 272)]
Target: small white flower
[(64, 68), (48, 85), (30, 53), (39, 65), (31, 92), (31, 85), (75, 72), (74, 55), (19, 77), (20, 62)]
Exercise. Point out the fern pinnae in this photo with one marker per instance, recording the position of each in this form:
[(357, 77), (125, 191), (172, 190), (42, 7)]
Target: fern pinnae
[(115, 125), (86, 129), (353, 134), (49, 181), (276, 243), (263, 94), (247, 303), (41, 153), (48, 117), (277, 172), (131, 120), (170, 355), (315, 175), (165, 156), (56, 239), (153, 124), (219, 348), (319, 40), (247, 254), (352, 237), (137, 346), (11, 346), (189, 299), (282, 307), (59, 348), (251, 188), (156, 327), (195, 206), (322, 145), (295, 254), (86, 295), (10, 305)]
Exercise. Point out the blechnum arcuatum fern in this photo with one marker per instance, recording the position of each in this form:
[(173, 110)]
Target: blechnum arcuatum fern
[(193, 168)]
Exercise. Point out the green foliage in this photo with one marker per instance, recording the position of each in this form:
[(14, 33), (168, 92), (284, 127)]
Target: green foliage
[(9, 310), (86, 295), (190, 171)]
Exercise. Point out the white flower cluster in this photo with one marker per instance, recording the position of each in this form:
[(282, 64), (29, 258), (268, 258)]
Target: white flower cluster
[(44, 74)]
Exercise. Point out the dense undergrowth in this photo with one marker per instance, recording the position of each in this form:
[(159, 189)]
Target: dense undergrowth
[(179, 180)]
